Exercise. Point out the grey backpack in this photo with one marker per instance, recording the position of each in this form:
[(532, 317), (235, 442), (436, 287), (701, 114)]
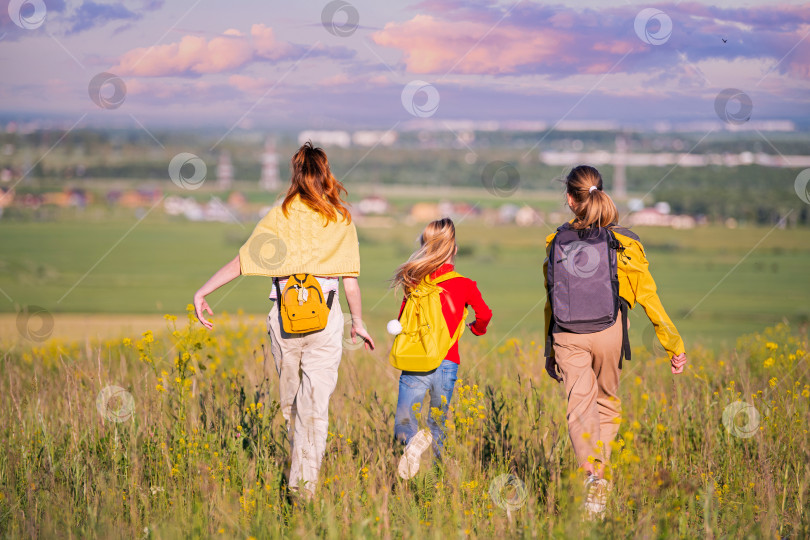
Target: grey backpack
[(583, 282)]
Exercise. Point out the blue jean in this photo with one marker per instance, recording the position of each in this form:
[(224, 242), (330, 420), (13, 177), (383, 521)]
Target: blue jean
[(412, 388)]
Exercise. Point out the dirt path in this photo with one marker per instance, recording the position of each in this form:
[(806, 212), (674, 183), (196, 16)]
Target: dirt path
[(79, 326)]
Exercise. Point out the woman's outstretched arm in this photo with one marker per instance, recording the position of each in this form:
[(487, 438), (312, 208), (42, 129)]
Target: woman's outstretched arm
[(352, 289), (226, 274)]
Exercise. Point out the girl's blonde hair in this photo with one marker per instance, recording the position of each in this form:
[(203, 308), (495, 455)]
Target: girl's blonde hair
[(438, 245), (313, 181), (592, 207)]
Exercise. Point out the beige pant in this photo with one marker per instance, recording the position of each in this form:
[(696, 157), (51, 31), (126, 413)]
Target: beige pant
[(307, 366), (590, 371)]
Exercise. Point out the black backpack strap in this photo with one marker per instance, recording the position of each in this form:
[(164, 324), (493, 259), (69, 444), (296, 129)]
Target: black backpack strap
[(623, 306), (329, 299), (278, 291), (549, 285)]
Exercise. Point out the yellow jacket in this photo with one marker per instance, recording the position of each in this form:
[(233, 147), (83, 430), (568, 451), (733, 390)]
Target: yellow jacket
[(636, 285), (300, 243)]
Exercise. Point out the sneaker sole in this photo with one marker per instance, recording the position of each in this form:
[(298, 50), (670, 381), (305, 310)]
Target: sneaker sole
[(409, 462)]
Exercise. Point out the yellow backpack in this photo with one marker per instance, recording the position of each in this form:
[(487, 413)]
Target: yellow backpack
[(302, 306), (425, 337)]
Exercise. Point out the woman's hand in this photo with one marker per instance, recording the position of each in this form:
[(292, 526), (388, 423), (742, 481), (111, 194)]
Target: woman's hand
[(551, 369), (226, 274), (200, 307), (678, 363), (359, 330)]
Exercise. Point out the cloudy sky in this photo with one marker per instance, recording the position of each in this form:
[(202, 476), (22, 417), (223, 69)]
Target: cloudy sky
[(319, 64)]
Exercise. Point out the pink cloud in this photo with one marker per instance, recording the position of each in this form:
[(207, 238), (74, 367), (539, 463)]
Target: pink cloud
[(555, 40), (432, 45), (249, 84), (195, 55), (266, 45)]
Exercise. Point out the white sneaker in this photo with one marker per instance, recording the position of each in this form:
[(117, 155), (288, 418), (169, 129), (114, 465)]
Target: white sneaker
[(596, 498), (409, 463)]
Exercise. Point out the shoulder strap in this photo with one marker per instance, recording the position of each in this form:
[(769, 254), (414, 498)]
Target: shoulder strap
[(444, 277), (625, 354), (278, 291)]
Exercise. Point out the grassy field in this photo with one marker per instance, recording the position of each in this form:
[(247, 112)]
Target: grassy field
[(716, 283), (123, 424), (176, 434)]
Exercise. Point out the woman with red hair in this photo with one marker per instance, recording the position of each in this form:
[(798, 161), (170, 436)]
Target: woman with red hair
[(311, 232)]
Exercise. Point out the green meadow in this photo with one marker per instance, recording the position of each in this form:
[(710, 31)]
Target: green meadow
[(716, 283)]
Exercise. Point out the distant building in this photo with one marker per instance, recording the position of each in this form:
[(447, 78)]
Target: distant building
[(507, 213), (373, 205), (424, 212), (236, 200), (326, 138), (654, 217), (374, 138), (527, 216)]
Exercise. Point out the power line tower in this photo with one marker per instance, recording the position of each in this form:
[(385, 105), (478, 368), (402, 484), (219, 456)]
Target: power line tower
[(620, 168), (270, 177), (224, 171)]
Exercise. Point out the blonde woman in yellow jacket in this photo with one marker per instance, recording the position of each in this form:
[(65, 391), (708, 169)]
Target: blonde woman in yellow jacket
[(589, 364), (311, 232)]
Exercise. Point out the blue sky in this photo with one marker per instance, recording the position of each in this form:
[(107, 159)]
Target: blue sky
[(258, 64)]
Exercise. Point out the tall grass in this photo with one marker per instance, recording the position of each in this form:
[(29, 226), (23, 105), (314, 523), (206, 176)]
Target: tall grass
[(203, 451)]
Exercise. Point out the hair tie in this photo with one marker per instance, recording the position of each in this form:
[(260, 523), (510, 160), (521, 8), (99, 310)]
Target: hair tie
[(592, 188)]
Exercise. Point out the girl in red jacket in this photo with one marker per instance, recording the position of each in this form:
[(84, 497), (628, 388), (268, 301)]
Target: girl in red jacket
[(434, 258)]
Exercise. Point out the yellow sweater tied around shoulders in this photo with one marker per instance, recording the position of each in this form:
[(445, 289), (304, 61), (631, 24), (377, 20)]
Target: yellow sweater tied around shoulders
[(303, 242)]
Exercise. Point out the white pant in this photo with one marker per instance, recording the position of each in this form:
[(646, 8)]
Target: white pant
[(307, 366)]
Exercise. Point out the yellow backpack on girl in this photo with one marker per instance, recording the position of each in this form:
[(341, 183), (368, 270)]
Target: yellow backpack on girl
[(302, 305), (425, 337)]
